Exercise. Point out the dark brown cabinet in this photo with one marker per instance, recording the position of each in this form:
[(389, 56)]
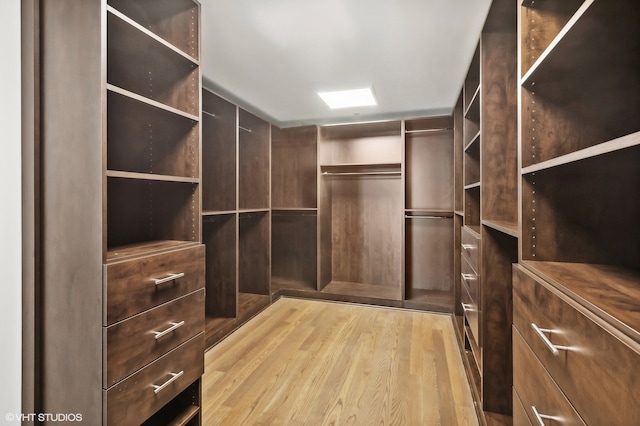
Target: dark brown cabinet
[(120, 167)]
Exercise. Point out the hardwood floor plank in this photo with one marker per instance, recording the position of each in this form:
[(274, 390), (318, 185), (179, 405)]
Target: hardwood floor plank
[(303, 362)]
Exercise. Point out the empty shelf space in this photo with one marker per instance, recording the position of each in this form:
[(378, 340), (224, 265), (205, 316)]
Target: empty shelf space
[(137, 97), (250, 304), (508, 228), (150, 176), (174, 21), (287, 283)]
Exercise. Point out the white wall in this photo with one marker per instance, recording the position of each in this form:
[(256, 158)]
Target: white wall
[(10, 211)]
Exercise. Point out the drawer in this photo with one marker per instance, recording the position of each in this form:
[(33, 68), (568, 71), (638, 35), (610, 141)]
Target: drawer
[(537, 390), (135, 285), (136, 398), (520, 417), (470, 280), (472, 314), (133, 343), (470, 247), (598, 373)]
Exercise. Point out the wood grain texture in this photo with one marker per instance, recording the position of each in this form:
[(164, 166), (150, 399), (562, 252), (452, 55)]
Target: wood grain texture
[(253, 253), (294, 156), (219, 147), (294, 247), (537, 388), (253, 161), (219, 238), (428, 255), (311, 362), (599, 373)]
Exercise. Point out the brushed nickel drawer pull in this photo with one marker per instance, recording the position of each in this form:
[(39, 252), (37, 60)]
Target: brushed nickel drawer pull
[(171, 277), (468, 308), (469, 277), (469, 246), (174, 326), (174, 377), (555, 349), (542, 417)]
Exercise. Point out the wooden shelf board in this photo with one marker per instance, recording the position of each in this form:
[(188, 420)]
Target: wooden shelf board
[(472, 185), (472, 102), (151, 176), (151, 35), (183, 418), (217, 213), (618, 144), (151, 102), (116, 254), (374, 291), (279, 283), (459, 213), (433, 300), (475, 230), (474, 139), (505, 227), (218, 327), (610, 293), (242, 211)]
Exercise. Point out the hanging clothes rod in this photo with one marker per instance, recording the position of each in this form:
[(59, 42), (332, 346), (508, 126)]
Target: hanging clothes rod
[(444, 129), (387, 173), (245, 129), (209, 114), (407, 216)]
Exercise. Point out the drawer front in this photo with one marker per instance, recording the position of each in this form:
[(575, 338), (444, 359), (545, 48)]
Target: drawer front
[(598, 373), (136, 285), (133, 400), (133, 343), (536, 389), (472, 314), (470, 247), (470, 280), (520, 417)]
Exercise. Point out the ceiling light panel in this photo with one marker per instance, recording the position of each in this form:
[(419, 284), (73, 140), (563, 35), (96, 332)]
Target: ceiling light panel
[(349, 98)]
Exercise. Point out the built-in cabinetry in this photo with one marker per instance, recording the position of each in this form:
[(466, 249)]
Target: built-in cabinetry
[(122, 272), (577, 289), (489, 236), (294, 215), (235, 214)]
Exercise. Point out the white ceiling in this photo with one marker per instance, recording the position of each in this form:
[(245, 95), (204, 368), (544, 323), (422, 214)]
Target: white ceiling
[(271, 57)]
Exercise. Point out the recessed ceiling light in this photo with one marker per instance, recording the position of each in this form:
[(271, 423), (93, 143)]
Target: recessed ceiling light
[(349, 98)]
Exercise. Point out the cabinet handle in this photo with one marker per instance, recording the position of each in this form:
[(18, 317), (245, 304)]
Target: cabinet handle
[(555, 349), (469, 246), (174, 377), (174, 326), (541, 417), (468, 308), (158, 281), (469, 277)]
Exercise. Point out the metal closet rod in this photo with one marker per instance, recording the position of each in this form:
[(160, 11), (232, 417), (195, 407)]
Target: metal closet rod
[(245, 129), (210, 114), (429, 130), (408, 216), (387, 173)]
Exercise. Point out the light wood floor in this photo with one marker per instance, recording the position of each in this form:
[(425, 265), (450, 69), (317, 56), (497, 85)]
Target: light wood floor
[(304, 362)]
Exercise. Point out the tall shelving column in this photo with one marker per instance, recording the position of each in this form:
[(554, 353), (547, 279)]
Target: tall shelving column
[(578, 280), (294, 214), (429, 204), (254, 215), (219, 214)]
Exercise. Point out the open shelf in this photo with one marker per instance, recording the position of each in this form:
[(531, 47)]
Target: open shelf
[(472, 80), (294, 250), (386, 291), (146, 139), (294, 157), (253, 253), (219, 237), (249, 304), (585, 90), (176, 22), (142, 64), (180, 411), (253, 161), (472, 207), (369, 143), (585, 211), (219, 128), (141, 211), (541, 22), (472, 162)]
